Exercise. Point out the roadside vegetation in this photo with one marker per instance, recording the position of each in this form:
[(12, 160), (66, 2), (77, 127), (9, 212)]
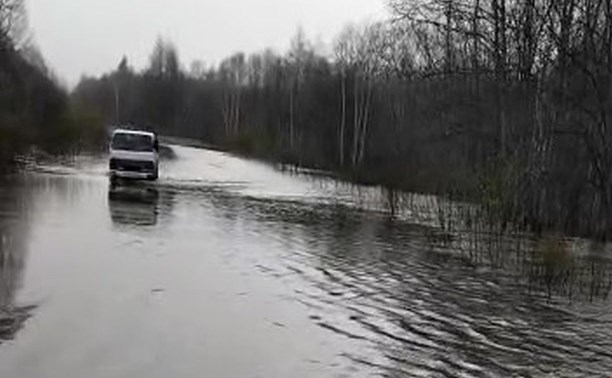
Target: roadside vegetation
[(35, 112)]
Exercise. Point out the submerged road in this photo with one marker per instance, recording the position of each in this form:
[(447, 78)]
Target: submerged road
[(227, 267)]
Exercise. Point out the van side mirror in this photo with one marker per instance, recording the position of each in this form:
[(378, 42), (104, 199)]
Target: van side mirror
[(156, 145)]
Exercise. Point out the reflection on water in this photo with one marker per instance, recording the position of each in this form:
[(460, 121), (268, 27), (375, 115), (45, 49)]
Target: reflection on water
[(13, 253), (228, 260), (433, 303), (133, 204)]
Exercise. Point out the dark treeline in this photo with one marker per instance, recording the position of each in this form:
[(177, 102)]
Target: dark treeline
[(34, 110), (506, 102)]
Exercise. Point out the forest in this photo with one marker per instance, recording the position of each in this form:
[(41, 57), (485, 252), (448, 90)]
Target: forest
[(35, 111), (506, 103)]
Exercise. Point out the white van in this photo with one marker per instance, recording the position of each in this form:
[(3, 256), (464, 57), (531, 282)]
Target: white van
[(134, 155)]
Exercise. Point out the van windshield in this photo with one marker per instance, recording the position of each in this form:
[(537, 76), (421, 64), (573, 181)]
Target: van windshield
[(132, 142)]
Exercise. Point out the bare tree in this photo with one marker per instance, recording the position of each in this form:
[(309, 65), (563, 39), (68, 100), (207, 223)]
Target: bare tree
[(13, 22), (507, 101), (343, 50), (299, 57), (233, 75)]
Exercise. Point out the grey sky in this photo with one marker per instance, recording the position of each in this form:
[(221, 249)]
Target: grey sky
[(91, 36)]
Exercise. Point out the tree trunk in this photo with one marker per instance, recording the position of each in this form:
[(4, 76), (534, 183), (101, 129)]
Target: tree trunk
[(500, 50), (364, 121), (476, 45), (356, 121), (343, 118), (291, 118)]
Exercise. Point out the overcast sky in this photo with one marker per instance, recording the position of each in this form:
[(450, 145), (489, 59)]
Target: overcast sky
[(90, 36)]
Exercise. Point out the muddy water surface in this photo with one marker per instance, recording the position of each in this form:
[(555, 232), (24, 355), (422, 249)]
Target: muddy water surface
[(226, 267)]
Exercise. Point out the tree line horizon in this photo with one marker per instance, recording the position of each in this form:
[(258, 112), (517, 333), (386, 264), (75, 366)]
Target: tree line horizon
[(502, 102)]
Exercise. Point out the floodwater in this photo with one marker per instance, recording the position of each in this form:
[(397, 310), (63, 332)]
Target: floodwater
[(227, 267)]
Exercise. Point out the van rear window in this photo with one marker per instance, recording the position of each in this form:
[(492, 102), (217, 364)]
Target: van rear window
[(132, 142)]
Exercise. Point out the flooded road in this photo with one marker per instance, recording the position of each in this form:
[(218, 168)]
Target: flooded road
[(229, 268)]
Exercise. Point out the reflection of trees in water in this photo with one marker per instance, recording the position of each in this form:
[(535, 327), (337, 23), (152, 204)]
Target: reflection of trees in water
[(557, 270), (551, 265), (434, 300), (14, 225), (548, 266)]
